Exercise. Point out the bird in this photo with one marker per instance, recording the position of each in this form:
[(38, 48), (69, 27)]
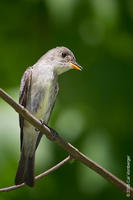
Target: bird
[(38, 91)]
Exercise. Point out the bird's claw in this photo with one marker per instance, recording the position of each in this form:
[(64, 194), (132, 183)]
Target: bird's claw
[(36, 129), (53, 134)]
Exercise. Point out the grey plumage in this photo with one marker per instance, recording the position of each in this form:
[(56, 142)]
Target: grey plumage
[(38, 91)]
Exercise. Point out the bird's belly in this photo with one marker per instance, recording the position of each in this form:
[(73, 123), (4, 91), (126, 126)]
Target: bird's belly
[(45, 105), (42, 100)]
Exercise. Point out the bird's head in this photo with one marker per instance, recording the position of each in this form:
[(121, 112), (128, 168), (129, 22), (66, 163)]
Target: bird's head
[(62, 60)]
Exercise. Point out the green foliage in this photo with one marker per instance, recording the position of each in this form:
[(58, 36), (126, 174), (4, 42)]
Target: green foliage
[(94, 107)]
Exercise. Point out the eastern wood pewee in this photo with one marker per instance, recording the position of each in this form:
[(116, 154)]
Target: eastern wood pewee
[(38, 91)]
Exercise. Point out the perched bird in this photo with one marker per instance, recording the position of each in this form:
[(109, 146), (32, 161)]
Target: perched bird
[(38, 91)]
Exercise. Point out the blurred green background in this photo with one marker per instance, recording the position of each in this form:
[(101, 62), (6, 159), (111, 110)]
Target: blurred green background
[(94, 108)]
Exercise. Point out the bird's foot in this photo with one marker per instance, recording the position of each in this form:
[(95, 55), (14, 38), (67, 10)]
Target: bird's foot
[(42, 122), (53, 136)]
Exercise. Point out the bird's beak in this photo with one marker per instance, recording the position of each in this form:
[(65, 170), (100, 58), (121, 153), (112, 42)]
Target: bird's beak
[(76, 66)]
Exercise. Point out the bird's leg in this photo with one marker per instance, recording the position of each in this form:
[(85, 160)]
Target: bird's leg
[(36, 129), (53, 135)]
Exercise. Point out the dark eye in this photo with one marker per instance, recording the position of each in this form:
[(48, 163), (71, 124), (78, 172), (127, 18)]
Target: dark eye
[(64, 55)]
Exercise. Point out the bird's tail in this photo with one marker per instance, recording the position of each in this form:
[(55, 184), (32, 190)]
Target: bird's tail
[(25, 171)]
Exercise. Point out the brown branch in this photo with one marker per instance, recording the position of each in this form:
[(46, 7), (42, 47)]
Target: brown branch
[(67, 146), (14, 187)]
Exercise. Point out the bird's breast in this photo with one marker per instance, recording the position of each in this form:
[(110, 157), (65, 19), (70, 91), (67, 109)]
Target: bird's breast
[(42, 97)]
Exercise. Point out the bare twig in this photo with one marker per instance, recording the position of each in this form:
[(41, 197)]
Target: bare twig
[(67, 146), (14, 187)]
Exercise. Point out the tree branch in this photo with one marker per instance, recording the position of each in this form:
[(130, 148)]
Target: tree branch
[(14, 187), (75, 153)]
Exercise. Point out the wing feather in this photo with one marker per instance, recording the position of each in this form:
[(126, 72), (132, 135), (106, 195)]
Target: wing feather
[(24, 90)]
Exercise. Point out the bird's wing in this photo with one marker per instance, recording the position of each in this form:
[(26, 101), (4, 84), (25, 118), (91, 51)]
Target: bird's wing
[(24, 90)]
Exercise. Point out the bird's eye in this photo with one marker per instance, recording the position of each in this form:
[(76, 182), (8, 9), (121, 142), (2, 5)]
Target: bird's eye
[(64, 55)]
